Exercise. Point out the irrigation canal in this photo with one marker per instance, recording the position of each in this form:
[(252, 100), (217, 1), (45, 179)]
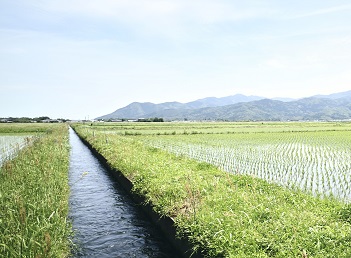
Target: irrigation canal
[(107, 223)]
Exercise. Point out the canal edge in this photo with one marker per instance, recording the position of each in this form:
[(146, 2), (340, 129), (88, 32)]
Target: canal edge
[(164, 223)]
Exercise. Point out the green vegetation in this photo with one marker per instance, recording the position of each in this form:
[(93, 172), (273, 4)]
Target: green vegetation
[(34, 195), (25, 128), (154, 119), (316, 162), (222, 214), (187, 128)]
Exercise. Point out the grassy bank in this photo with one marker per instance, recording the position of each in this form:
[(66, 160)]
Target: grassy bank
[(226, 215), (34, 196)]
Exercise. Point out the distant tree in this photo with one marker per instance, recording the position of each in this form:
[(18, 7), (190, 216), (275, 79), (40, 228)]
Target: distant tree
[(154, 119), (41, 118), (23, 120), (63, 119), (158, 119)]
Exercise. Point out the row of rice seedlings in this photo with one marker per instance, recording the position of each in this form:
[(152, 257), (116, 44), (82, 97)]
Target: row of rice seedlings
[(11, 144), (314, 162)]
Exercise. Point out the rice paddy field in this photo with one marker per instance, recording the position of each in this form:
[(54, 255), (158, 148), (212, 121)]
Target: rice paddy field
[(241, 189), (10, 144), (13, 137), (314, 157), (315, 162)]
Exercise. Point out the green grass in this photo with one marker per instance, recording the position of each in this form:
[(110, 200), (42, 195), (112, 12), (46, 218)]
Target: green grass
[(226, 215), (15, 128), (192, 128), (34, 197)]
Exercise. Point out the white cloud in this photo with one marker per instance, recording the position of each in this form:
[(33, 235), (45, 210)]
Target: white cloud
[(171, 18), (274, 63), (113, 8), (203, 11), (322, 11)]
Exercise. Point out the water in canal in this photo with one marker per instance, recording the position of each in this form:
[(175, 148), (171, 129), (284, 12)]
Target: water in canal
[(106, 221)]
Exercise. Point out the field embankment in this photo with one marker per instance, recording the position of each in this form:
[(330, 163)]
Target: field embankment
[(226, 215), (34, 195)]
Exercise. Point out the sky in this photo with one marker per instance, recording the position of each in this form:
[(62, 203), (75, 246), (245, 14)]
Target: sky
[(80, 59)]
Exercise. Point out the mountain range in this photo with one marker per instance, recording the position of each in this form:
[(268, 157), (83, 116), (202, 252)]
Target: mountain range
[(239, 107)]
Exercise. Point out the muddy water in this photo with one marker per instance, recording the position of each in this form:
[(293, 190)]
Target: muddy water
[(106, 221)]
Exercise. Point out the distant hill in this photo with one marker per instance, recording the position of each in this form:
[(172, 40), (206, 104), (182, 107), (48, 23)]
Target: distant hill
[(140, 110), (243, 108), (137, 110), (346, 94)]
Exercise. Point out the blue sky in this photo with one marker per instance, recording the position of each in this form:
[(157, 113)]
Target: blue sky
[(85, 58)]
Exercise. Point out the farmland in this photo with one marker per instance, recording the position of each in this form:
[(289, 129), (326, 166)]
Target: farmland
[(186, 128), (316, 162), (313, 157), (240, 189), (10, 144)]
